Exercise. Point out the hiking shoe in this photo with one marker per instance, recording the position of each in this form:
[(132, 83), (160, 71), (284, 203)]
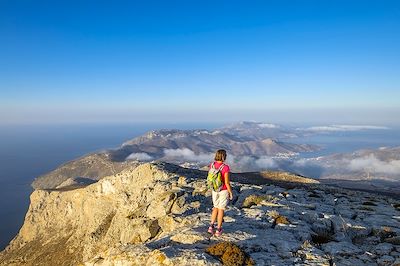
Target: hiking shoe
[(211, 229), (218, 232)]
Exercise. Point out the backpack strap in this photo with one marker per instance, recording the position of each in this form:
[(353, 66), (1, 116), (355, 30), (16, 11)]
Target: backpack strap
[(213, 165), (219, 169)]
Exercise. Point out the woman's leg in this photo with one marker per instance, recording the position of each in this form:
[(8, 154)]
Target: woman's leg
[(214, 215), (220, 217)]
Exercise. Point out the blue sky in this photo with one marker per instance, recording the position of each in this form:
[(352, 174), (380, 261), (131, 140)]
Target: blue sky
[(277, 61)]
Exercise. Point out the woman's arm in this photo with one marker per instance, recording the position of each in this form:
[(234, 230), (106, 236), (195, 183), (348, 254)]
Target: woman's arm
[(228, 185)]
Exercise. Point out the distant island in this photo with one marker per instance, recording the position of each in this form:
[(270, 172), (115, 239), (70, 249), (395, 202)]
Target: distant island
[(252, 146), (146, 202)]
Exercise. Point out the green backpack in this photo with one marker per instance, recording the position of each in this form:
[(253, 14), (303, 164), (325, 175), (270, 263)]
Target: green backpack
[(214, 178)]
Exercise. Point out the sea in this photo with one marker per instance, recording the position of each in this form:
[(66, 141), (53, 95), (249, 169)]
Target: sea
[(28, 151)]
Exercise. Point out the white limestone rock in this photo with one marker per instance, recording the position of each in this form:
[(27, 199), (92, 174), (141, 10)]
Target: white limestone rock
[(385, 260), (341, 249), (158, 214), (383, 249)]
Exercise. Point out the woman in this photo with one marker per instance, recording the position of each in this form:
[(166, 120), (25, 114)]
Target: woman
[(220, 199)]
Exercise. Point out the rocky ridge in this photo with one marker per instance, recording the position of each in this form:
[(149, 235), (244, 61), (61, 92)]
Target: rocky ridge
[(158, 214), (196, 147), (92, 167), (155, 142)]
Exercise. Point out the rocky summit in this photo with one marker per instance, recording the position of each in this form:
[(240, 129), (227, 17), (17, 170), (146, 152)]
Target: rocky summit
[(158, 214)]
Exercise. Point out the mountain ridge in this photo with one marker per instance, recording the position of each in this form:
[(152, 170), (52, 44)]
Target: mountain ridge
[(251, 146), (170, 145), (158, 213)]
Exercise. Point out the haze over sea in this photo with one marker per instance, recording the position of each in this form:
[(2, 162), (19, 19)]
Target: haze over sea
[(29, 151), (77, 77)]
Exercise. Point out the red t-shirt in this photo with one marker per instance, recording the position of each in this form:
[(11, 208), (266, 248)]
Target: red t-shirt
[(224, 170)]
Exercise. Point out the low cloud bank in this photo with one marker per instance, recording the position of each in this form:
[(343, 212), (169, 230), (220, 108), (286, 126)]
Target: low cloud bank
[(342, 128), (266, 125), (248, 163), (372, 164), (265, 162), (242, 163), (140, 156), (308, 167), (188, 155), (369, 163)]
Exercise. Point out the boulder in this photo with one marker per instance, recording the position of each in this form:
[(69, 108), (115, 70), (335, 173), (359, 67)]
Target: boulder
[(341, 249), (385, 260), (383, 249), (230, 254)]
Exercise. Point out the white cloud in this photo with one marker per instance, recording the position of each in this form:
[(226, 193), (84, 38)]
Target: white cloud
[(265, 162), (302, 162), (373, 164), (265, 125), (188, 155), (245, 163), (341, 128), (141, 156), (248, 163)]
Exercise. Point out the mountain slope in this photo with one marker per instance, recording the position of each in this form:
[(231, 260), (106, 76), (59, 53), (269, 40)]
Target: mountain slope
[(158, 213), (93, 166), (154, 144), (174, 146)]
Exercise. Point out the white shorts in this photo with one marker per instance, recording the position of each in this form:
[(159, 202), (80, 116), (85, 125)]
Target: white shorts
[(220, 199)]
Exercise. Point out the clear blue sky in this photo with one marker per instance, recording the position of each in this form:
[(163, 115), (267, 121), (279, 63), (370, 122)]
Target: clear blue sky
[(277, 61)]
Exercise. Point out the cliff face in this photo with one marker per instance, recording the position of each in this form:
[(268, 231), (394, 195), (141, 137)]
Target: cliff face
[(158, 214), (67, 226), (93, 166)]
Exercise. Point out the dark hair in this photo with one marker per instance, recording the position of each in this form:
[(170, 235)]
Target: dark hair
[(220, 155)]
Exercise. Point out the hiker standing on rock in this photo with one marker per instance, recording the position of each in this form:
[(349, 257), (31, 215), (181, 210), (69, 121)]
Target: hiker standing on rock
[(218, 181)]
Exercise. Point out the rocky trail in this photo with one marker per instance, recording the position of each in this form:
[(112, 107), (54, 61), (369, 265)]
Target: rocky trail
[(158, 214)]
